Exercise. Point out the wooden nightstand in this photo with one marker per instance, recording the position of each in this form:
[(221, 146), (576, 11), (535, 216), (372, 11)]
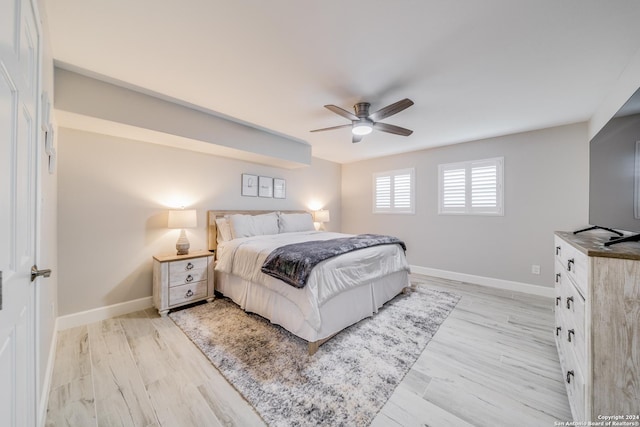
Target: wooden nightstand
[(182, 279)]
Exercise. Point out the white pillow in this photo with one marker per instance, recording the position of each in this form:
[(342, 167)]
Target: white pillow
[(224, 229), (290, 223), (253, 225)]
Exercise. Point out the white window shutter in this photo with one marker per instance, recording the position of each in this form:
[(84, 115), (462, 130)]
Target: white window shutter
[(471, 188), (454, 188), (402, 199), (484, 186), (394, 192), (383, 192)]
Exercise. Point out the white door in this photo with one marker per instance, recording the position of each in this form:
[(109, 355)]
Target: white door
[(19, 103)]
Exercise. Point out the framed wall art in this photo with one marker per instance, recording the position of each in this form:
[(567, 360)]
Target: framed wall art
[(279, 188), (249, 185), (265, 186)]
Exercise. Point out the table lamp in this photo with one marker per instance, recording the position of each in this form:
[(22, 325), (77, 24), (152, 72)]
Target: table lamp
[(321, 216), (184, 218)]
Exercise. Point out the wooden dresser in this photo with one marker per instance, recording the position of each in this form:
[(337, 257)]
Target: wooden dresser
[(597, 311)]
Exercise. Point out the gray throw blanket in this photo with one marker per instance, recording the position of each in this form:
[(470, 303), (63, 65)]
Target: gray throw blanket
[(293, 263)]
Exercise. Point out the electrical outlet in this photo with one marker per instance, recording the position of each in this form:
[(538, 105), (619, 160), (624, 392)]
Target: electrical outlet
[(535, 269)]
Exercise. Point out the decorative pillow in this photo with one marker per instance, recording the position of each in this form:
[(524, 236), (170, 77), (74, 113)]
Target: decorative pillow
[(289, 223), (253, 225), (224, 229)]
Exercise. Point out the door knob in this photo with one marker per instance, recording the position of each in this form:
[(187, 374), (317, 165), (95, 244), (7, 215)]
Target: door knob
[(35, 272)]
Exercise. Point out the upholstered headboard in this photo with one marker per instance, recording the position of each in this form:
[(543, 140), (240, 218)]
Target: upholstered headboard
[(212, 229)]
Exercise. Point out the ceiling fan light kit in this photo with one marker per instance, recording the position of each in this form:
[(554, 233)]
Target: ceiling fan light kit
[(362, 127), (362, 123)]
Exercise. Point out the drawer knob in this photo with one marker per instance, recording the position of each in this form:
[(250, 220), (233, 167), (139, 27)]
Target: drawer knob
[(569, 375), (558, 250), (189, 266), (569, 301), (189, 293), (569, 333), (570, 263), (558, 299), (558, 329), (558, 276), (189, 278)]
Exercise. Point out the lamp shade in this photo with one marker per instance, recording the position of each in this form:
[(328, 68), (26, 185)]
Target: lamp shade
[(184, 218), (321, 216)]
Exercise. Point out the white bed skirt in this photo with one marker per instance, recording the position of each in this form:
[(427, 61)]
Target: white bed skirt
[(337, 313)]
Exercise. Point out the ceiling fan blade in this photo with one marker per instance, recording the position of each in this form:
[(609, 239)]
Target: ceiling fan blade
[(332, 128), (397, 130), (357, 138), (390, 110), (342, 112)]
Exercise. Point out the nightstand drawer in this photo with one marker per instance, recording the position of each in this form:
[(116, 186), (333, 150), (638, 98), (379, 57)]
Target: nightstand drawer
[(185, 293), (188, 264), (185, 277), (187, 271)]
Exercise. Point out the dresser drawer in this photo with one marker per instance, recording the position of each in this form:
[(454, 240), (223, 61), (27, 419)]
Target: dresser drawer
[(573, 377), (572, 309), (577, 266), (186, 293), (569, 317), (574, 263), (560, 277), (574, 381), (573, 337), (558, 301)]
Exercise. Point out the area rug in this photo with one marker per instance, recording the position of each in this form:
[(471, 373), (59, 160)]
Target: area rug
[(345, 383)]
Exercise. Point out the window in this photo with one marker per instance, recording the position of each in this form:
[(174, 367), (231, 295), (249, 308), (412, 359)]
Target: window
[(471, 188), (394, 192)]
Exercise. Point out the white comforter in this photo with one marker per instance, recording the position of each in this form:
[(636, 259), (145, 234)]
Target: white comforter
[(244, 257)]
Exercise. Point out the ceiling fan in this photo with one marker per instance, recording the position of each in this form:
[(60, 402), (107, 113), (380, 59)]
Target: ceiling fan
[(363, 123)]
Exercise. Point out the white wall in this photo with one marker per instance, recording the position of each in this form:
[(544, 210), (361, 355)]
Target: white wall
[(113, 196), (546, 189), (626, 85), (85, 103)]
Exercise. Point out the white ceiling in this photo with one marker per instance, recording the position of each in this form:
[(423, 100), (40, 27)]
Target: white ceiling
[(474, 68)]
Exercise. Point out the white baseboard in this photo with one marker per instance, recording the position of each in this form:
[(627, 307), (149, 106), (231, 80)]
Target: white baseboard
[(46, 386), (102, 313), (486, 281)]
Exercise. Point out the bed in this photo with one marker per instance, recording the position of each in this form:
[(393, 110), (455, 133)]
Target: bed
[(339, 292)]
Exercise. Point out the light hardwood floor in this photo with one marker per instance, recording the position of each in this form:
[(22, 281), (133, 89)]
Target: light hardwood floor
[(493, 362)]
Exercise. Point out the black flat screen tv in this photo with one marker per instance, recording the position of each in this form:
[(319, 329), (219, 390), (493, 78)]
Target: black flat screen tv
[(614, 171)]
